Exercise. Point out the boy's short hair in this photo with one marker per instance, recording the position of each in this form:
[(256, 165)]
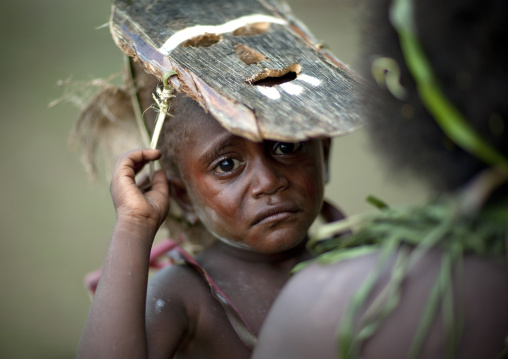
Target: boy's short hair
[(183, 113)]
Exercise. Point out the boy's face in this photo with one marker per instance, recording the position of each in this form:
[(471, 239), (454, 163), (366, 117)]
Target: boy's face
[(258, 196)]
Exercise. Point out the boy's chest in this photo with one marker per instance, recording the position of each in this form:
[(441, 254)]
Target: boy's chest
[(214, 329), (237, 292), (250, 294), (213, 337)]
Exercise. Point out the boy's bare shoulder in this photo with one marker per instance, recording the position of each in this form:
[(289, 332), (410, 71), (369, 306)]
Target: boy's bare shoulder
[(176, 283), (173, 295), (182, 315)]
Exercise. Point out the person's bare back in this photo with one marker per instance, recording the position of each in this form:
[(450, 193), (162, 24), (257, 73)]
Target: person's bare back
[(316, 301)]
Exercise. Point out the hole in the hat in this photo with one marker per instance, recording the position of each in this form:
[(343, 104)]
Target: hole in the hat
[(248, 55), (271, 81), (270, 78), (257, 28), (205, 40)]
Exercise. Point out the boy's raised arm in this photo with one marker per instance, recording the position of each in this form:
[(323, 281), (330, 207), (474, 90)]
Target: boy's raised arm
[(116, 323)]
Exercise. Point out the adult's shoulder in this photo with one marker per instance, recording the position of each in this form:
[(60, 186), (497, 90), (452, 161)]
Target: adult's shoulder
[(311, 306), (304, 317)]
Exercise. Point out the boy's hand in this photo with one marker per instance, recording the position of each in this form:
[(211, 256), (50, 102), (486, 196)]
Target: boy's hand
[(145, 209)]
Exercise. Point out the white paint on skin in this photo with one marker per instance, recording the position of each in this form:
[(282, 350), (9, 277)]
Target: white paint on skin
[(208, 212), (230, 26), (232, 243), (159, 304)]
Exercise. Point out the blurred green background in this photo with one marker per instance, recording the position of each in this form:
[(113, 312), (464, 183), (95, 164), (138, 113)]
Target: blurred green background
[(54, 223)]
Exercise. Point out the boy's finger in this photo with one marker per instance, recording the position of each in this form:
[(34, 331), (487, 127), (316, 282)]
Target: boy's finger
[(160, 183), (136, 159), (144, 183)]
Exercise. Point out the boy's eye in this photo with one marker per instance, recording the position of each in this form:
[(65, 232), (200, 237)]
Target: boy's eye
[(285, 148), (227, 165)]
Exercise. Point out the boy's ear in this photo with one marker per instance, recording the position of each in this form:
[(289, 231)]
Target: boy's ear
[(327, 144), (178, 192)]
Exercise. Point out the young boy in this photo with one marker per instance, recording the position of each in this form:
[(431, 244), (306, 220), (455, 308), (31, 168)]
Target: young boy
[(257, 199)]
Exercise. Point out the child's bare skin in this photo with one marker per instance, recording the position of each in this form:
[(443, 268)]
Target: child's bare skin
[(258, 199)]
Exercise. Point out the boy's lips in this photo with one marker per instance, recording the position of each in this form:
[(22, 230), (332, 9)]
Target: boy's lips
[(277, 212)]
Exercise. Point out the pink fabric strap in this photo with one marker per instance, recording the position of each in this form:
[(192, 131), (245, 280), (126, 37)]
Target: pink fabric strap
[(236, 319)]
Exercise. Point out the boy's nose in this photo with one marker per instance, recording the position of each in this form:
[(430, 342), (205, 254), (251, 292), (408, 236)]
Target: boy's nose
[(267, 178)]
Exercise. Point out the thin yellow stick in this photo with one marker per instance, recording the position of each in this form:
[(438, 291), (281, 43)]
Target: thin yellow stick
[(163, 104)]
